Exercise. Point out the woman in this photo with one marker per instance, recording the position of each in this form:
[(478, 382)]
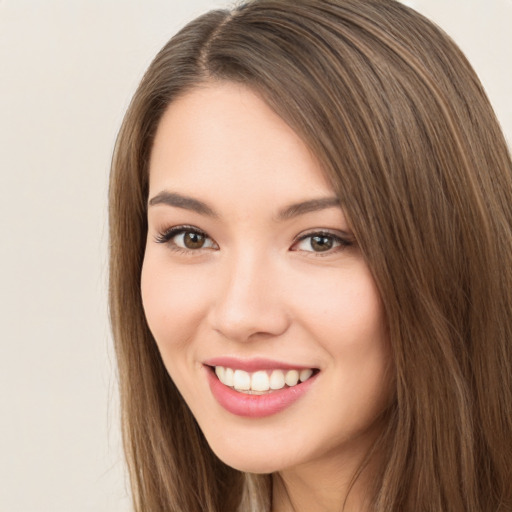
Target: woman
[(311, 288)]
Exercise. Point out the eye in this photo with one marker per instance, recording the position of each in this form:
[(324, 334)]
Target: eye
[(186, 238), (322, 242)]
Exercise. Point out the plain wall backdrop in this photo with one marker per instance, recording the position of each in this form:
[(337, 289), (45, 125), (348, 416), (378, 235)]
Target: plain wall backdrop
[(67, 71)]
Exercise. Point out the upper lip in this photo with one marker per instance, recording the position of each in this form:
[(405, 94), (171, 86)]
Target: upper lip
[(253, 364)]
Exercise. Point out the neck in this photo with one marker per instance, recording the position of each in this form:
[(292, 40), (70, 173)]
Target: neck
[(294, 493), (341, 483)]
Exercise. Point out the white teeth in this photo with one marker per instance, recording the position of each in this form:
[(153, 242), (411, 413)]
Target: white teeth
[(292, 377), (262, 380), (220, 372), (305, 374), (241, 380), (277, 379), (228, 377)]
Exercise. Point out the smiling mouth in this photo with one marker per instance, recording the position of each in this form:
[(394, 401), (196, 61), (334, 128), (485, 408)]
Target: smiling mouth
[(262, 381)]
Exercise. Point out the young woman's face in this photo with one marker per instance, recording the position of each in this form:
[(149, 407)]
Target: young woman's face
[(261, 304)]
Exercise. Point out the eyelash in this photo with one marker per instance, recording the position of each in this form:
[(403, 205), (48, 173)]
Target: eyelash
[(166, 237), (343, 242)]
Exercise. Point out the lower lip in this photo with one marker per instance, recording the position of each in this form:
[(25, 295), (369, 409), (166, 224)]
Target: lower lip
[(256, 406)]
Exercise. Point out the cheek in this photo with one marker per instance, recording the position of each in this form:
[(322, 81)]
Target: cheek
[(345, 316), (343, 307), (173, 305)]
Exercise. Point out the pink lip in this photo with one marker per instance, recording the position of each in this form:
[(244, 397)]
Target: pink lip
[(255, 406), (252, 365)]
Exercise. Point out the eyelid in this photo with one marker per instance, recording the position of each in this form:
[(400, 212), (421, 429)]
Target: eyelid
[(165, 236), (343, 239)]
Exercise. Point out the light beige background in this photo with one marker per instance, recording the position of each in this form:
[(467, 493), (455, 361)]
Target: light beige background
[(67, 71)]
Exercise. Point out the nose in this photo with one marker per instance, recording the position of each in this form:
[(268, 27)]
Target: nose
[(249, 304)]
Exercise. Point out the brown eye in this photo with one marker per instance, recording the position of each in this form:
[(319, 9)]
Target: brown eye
[(192, 240), (186, 238), (321, 243)]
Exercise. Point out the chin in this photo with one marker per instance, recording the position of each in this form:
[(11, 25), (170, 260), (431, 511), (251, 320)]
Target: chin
[(248, 464), (252, 459)]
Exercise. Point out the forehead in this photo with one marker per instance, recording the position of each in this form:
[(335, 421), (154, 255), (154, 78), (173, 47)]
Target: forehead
[(224, 136)]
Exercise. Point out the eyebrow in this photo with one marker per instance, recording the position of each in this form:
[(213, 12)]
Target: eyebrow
[(185, 202), (289, 212), (312, 205)]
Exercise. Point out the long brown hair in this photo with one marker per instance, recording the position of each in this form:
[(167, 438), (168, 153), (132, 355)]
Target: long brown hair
[(402, 127)]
